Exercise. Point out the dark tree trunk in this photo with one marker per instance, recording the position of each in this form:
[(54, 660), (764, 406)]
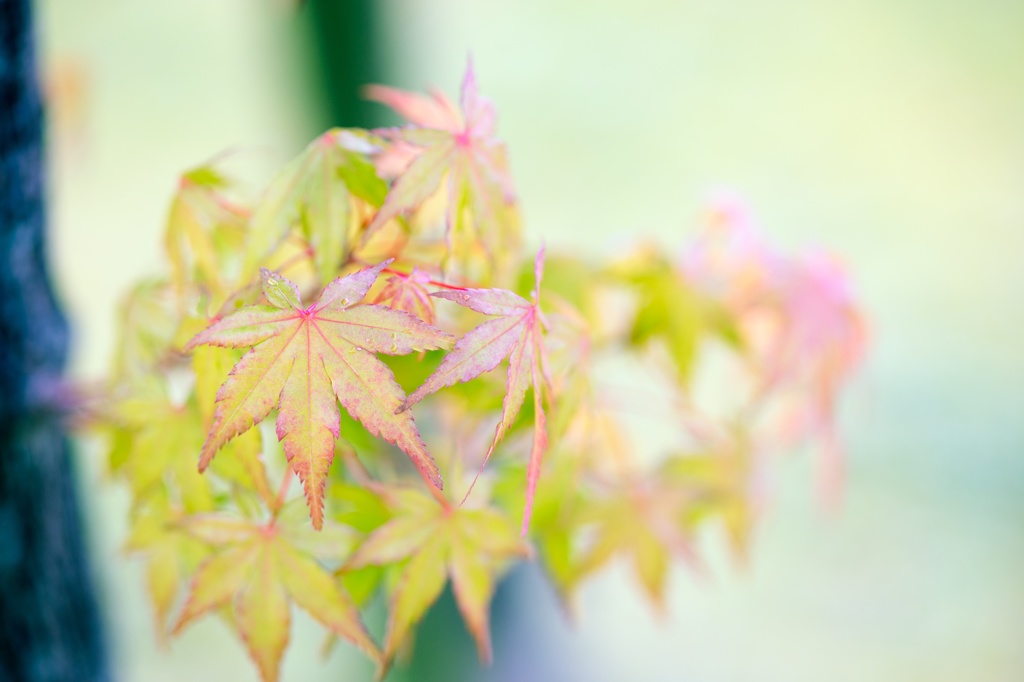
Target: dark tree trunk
[(49, 624)]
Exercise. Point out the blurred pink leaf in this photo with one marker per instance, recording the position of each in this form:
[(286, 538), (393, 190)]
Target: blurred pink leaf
[(441, 143), (802, 326)]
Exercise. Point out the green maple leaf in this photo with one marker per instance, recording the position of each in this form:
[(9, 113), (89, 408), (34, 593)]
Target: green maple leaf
[(257, 572), (623, 525), (561, 494), (717, 486), (654, 517), (305, 360), (669, 311), (197, 214), (147, 323), (469, 546), (160, 437), (153, 443), (170, 554), (315, 191)]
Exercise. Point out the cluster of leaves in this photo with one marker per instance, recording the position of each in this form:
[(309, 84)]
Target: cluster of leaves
[(383, 272)]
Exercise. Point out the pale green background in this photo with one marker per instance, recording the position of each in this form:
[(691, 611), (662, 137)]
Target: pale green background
[(890, 132)]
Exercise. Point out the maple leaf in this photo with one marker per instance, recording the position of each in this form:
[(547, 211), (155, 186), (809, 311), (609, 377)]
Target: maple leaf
[(192, 233), (170, 554), (469, 546), (152, 439), (669, 309), (243, 468), (800, 323), (560, 496), (715, 485), (147, 320), (515, 333), (820, 343), (458, 145), (315, 190), (646, 520), (257, 572), (623, 524), (307, 359), (159, 436), (408, 293)]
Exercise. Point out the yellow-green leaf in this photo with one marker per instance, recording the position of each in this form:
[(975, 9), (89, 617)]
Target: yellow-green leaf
[(307, 360), (256, 574)]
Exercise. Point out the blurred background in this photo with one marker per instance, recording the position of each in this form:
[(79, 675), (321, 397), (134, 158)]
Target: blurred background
[(889, 133)]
